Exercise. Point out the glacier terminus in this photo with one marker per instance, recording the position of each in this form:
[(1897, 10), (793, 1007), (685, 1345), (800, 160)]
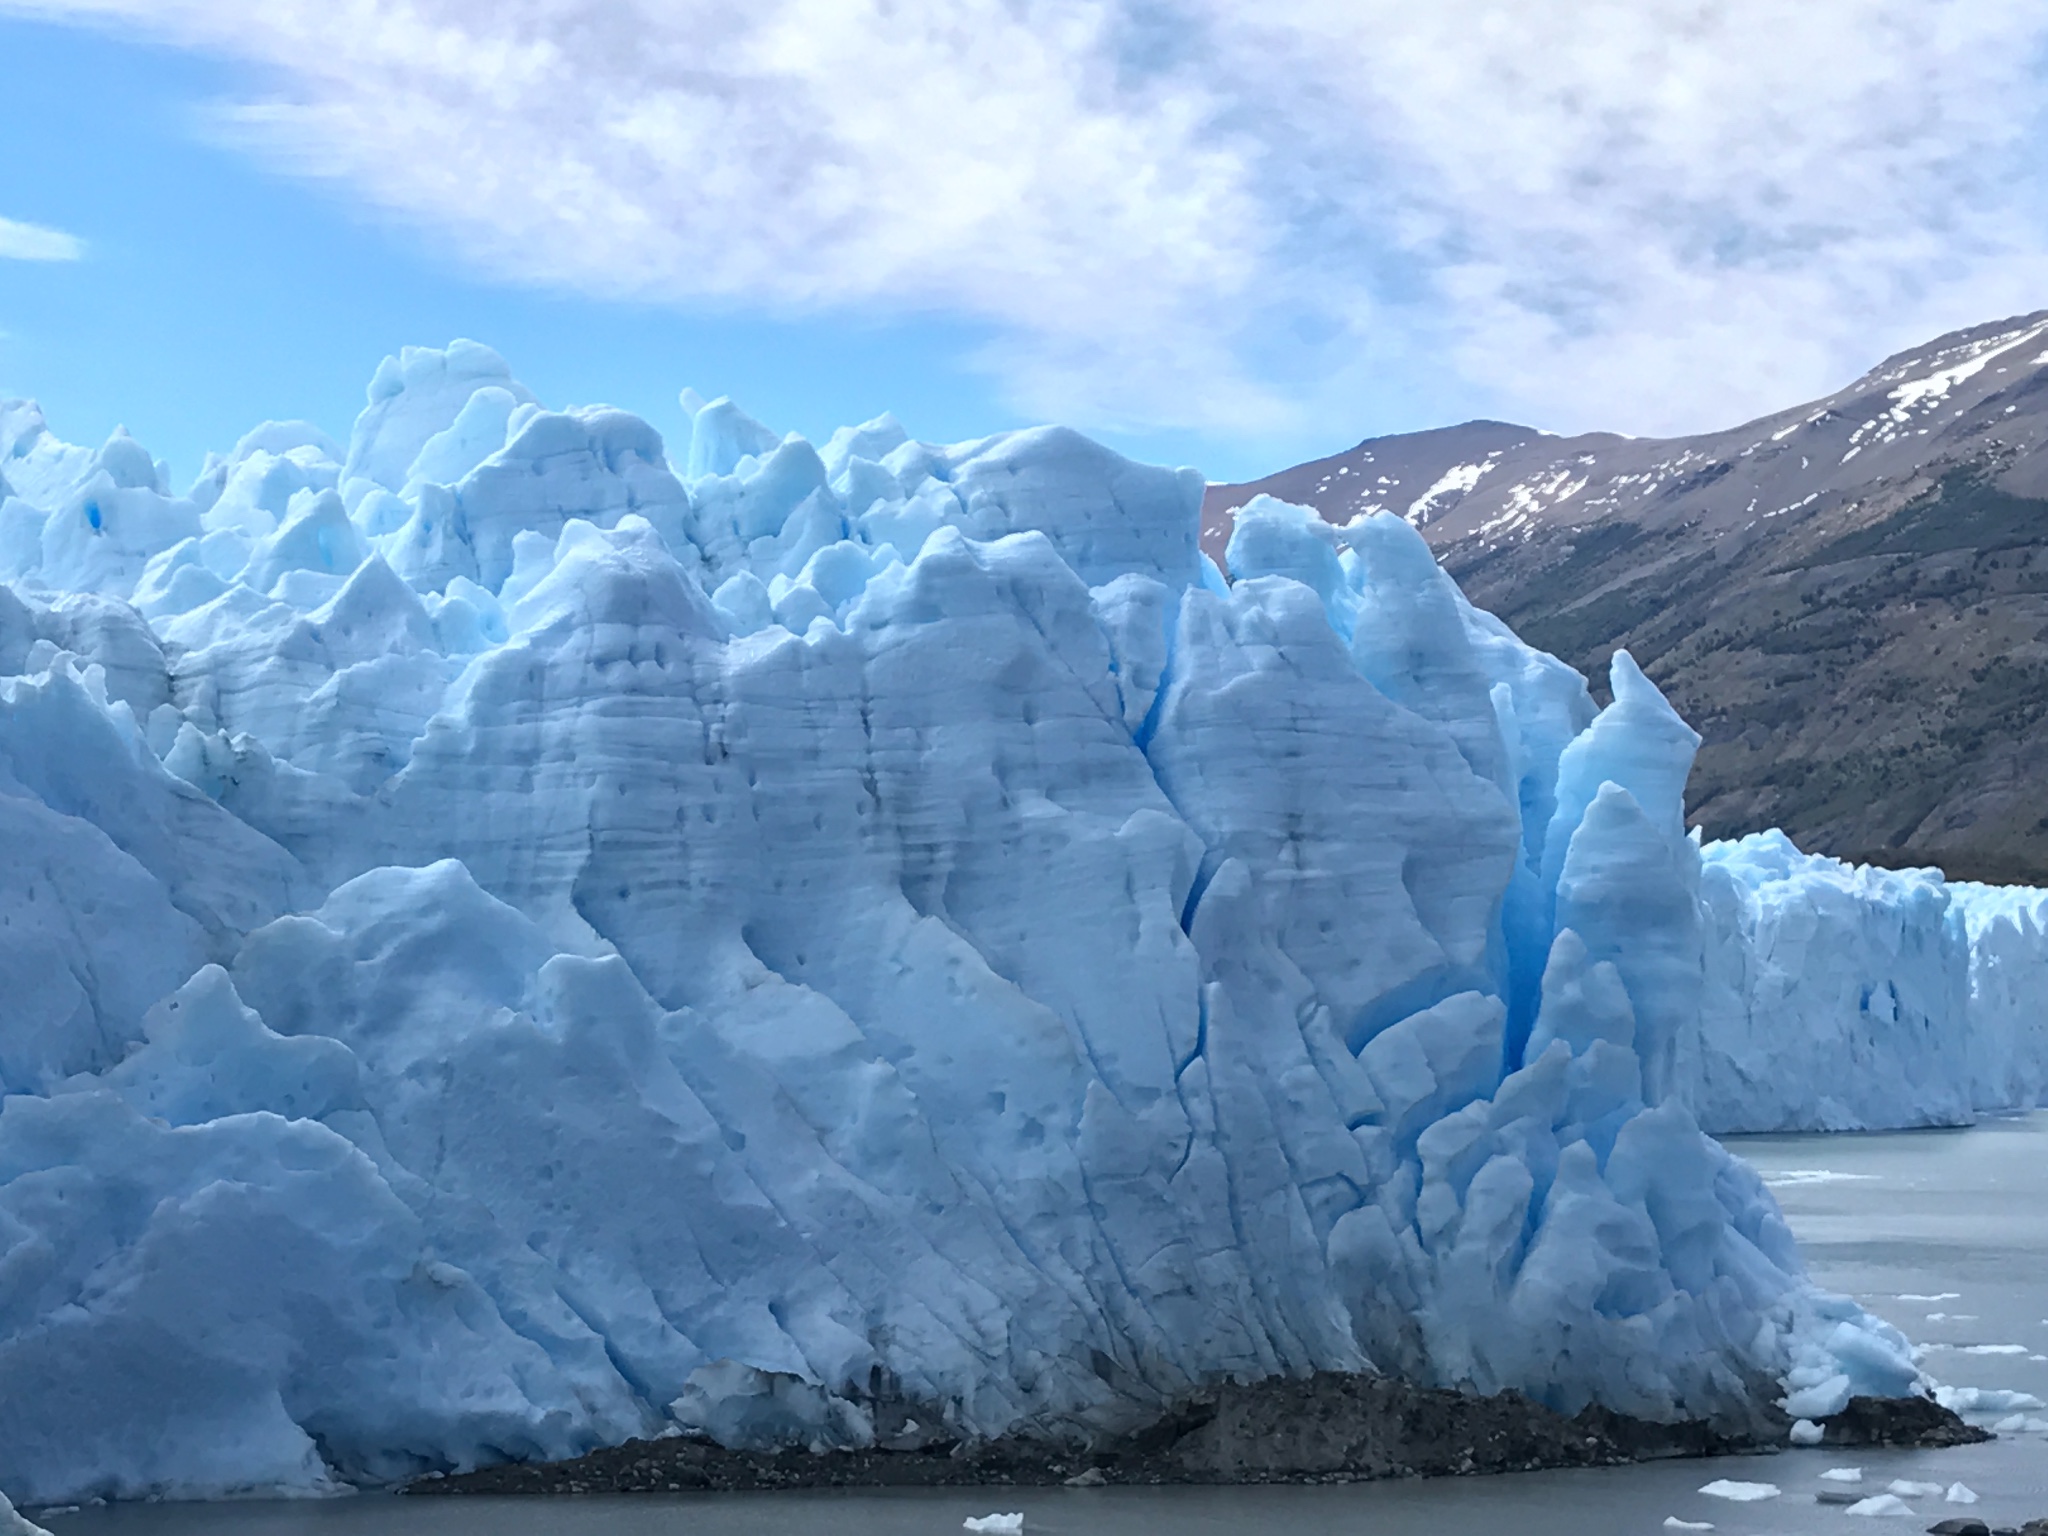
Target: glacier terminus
[(519, 935)]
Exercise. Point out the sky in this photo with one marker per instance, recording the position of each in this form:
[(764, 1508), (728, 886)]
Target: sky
[(1208, 233)]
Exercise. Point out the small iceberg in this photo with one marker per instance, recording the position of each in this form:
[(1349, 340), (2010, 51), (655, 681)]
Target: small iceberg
[(1740, 1493)]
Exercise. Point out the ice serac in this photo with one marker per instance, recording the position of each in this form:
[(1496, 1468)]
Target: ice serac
[(526, 941), (426, 402)]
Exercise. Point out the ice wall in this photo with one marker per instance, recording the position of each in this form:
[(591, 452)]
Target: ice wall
[(1841, 997), (521, 944)]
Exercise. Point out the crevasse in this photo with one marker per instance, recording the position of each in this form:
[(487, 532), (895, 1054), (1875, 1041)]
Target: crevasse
[(512, 942)]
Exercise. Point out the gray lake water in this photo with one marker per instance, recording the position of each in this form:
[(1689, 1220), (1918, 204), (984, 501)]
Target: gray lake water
[(1893, 1219)]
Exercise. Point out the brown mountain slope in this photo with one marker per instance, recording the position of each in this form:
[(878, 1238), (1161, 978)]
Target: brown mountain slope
[(1849, 599)]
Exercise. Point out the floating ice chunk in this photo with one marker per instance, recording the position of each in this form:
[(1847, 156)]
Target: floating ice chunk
[(1906, 1488), (1795, 1177), (1842, 1475), (1938, 1296), (1805, 1432), (1960, 1493), (1740, 1493), (1984, 1399), (1994, 1349), (1673, 1523), (1883, 1504), (995, 1525)]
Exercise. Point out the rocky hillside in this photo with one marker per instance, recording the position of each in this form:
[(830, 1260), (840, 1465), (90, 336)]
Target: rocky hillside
[(1848, 599)]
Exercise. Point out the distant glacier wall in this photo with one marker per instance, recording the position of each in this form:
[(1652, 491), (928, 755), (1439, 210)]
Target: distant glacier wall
[(1841, 997), (512, 938)]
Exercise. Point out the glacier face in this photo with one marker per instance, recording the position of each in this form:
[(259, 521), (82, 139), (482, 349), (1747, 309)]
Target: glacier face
[(514, 942), (1841, 997)]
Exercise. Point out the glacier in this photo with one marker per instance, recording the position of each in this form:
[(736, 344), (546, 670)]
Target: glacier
[(1842, 997), (515, 939)]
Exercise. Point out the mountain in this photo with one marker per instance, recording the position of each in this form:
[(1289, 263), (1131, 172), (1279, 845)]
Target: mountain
[(1848, 599)]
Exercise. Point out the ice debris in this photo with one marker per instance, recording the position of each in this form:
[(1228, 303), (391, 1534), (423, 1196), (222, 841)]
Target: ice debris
[(1011, 1524), (1881, 1505), (1968, 1400), (1739, 1492), (2020, 1424), (517, 938)]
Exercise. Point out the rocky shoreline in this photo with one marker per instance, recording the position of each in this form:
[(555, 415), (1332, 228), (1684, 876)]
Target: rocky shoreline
[(1326, 1428)]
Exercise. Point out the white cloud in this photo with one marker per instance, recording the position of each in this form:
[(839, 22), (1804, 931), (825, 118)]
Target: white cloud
[(35, 242), (1644, 214)]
